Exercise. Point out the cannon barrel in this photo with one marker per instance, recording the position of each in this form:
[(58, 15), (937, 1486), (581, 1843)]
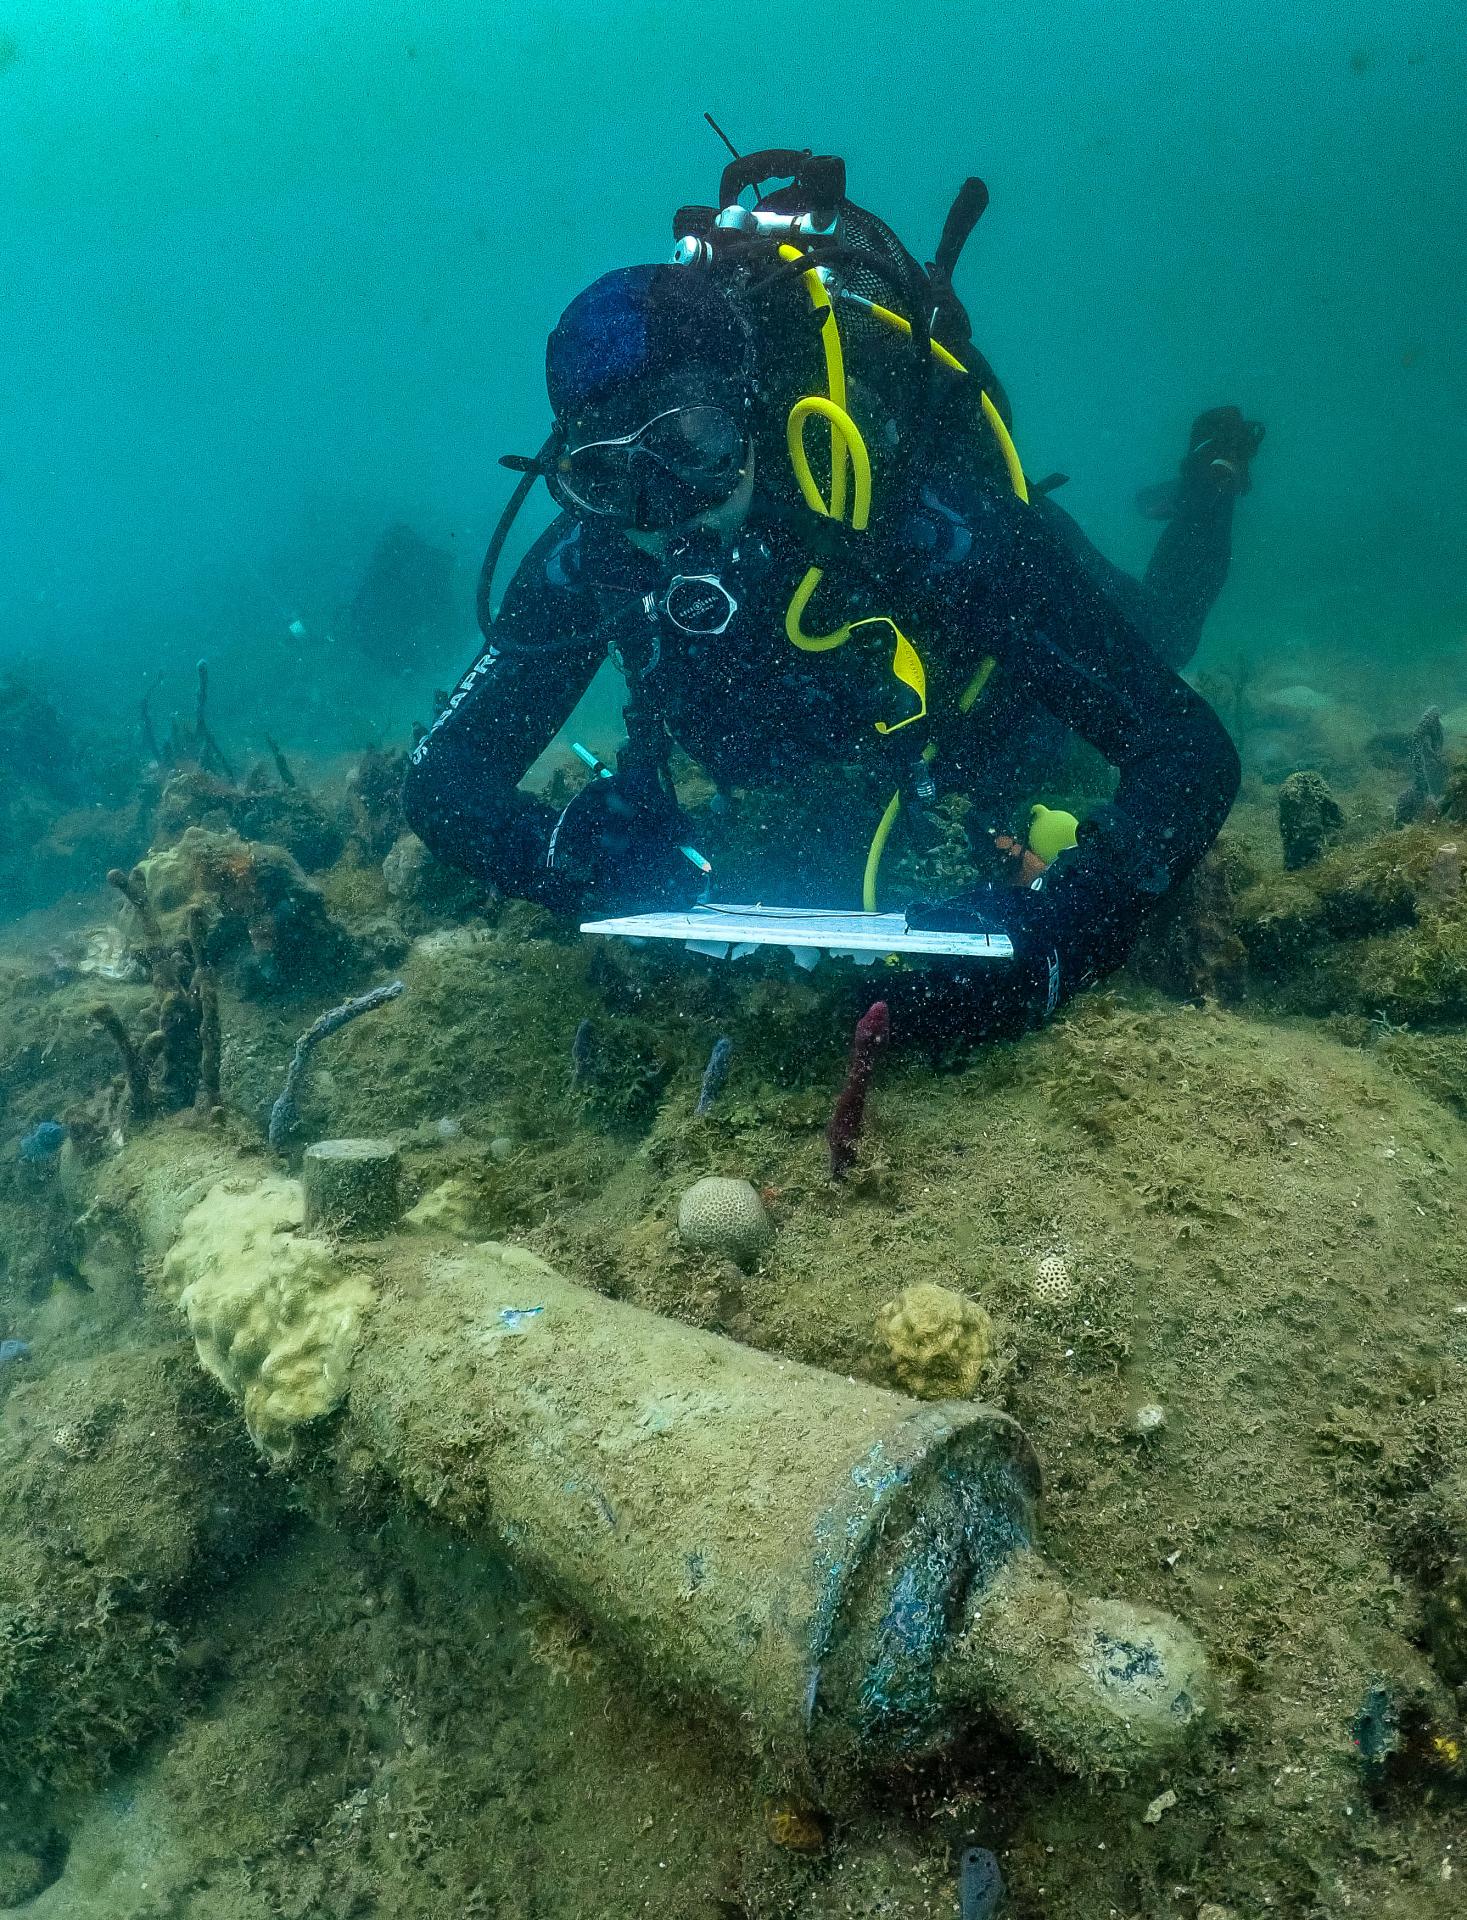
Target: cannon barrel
[(849, 1574)]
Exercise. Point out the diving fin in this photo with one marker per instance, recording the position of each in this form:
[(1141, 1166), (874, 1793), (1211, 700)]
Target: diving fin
[(980, 1885)]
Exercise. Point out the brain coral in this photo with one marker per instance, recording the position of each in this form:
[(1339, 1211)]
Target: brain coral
[(725, 1217), (453, 1206), (934, 1342)]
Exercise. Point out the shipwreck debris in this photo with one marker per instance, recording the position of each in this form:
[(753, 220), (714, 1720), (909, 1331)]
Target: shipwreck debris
[(353, 1188), (1310, 820)]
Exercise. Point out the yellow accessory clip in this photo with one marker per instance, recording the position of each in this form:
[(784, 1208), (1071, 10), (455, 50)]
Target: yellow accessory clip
[(846, 435)]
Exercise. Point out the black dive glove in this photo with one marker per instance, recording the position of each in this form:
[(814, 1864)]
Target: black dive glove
[(617, 849), (1072, 927), (986, 999)]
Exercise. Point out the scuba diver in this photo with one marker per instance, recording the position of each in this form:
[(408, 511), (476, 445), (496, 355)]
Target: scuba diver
[(793, 514)]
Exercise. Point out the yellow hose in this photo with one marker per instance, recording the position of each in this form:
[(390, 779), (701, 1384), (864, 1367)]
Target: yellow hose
[(968, 698), (849, 454), (1006, 447), (906, 664), (847, 435), (835, 378), (877, 849), (991, 413)]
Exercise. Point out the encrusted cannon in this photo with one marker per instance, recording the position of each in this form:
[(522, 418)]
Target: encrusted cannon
[(849, 1574)]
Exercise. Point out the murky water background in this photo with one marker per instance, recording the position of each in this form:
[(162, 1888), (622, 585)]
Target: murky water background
[(274, 276)]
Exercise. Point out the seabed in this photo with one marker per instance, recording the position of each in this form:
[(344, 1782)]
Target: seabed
[(1215, 1217)]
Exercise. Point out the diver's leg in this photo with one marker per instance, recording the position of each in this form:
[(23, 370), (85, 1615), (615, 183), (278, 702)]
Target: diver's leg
[(1123, 588), (1190, 561), (1185, 576), (1188, 567)]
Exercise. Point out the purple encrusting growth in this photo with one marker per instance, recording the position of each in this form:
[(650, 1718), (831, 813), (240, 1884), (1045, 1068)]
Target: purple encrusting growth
[(715, 1074), (14, 1350), (285, 1114)]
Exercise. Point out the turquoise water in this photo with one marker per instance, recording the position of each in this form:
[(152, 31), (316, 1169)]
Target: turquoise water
[(274, 276)]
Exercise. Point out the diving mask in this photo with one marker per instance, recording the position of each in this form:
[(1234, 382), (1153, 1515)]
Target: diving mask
[(676, 465)]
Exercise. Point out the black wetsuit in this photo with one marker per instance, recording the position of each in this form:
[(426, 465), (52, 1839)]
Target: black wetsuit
[(1187, 571), (967, 571)]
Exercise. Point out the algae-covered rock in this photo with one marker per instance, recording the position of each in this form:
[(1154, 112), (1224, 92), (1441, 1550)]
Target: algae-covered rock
[(1189, 946), (290, 817), (25, 1872), (484, 1199), (374, 803), (275, 1314), (121, 1500), (1375, 928), (1287, 919), (1310, 820), (934, 1342), (725, 1217), (257, 897), (287, 817), (1417, 976), (424, 889), (67, 811)]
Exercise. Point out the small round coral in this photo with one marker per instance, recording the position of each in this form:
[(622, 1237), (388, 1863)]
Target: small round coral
[(725, 1217), (934, 1341), (796, 1827), (1052, 1283)]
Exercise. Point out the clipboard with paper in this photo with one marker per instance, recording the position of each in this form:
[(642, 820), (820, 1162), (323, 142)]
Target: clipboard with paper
[(731, 932)]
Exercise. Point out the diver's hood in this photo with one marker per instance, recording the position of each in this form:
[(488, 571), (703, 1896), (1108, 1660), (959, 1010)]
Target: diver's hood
[(638, 323)]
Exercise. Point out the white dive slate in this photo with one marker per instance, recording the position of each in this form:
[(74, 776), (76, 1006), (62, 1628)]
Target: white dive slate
[(728, 933)]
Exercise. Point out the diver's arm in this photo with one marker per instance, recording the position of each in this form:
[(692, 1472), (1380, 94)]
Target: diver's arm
[(1068, 645), (1075, 651), (461, 793)]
